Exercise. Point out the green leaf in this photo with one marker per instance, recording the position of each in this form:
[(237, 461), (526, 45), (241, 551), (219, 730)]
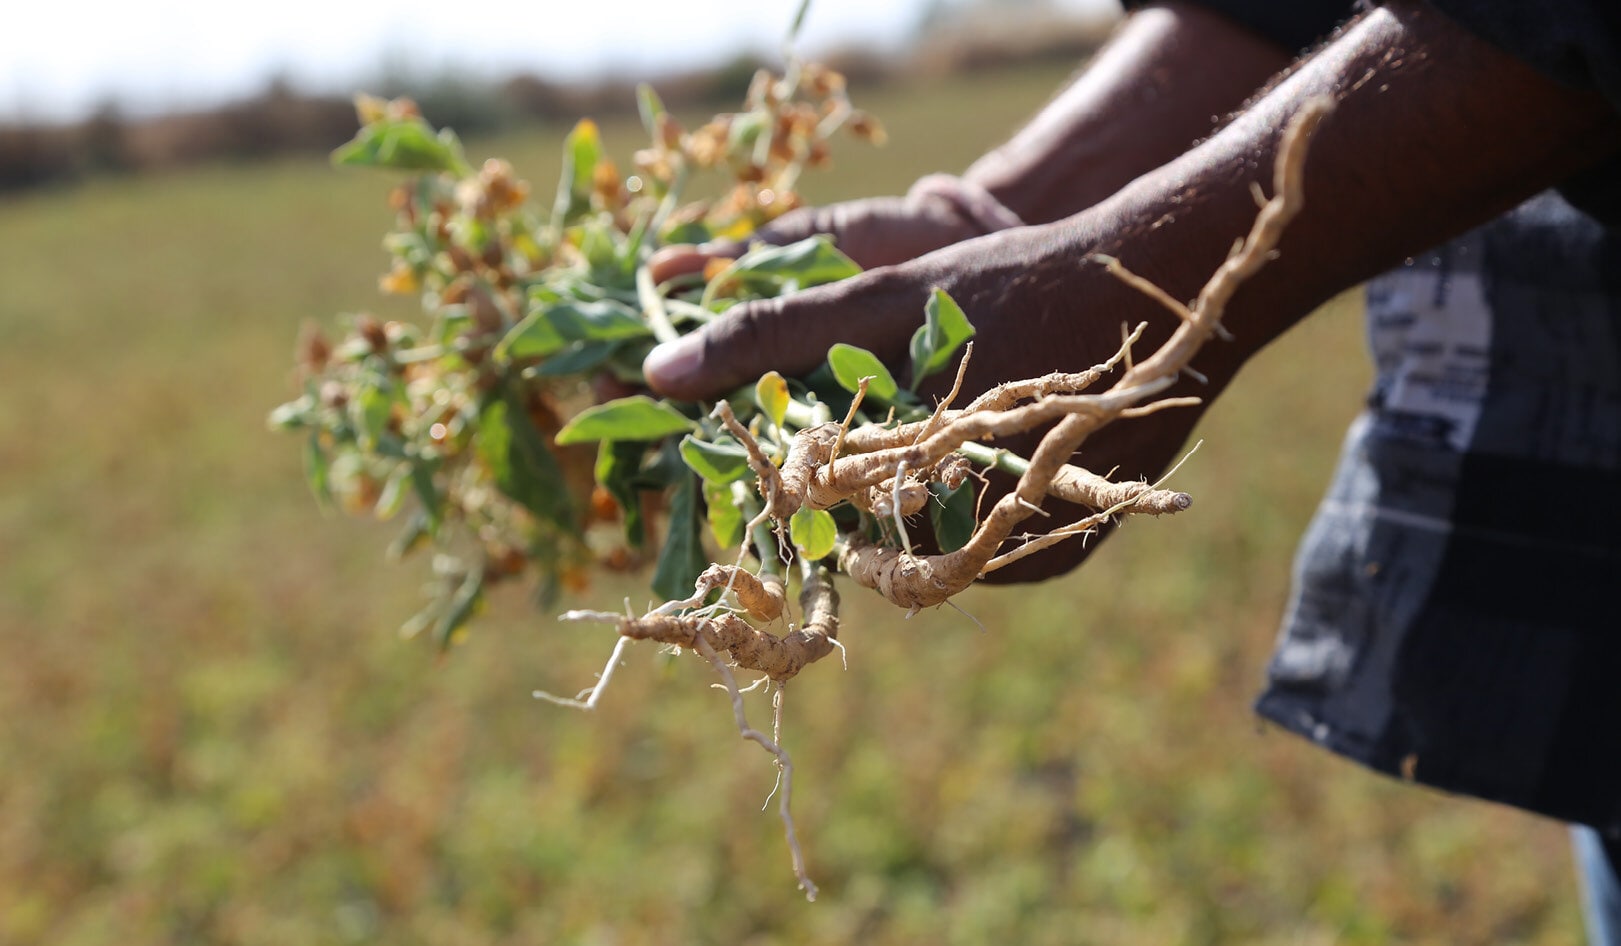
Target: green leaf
[(850, 364), (534, 337), (798, 23), (682, 559), (650, 107), (619, 471), (781, 269), (952, 514), (691, 231), (406, 144), (427, 493), (599, 244), (725, 515), (813, 532), (718, 462), (416, 531), (945, 328), (520, 461), (461, 607), (392, 497), (582, 149), (578, 358), (745, 129), (369, 409), (317, 469), (294, 414), (638, 417), (412, 247), (600, 320), (771, 393)]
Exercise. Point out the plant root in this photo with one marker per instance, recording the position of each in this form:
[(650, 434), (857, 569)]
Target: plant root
[(913, 582), (785, 765), (885, 470), (760, 595), (780, 658)]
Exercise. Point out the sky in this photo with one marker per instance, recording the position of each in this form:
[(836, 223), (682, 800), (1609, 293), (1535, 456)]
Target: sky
[(58, 61)]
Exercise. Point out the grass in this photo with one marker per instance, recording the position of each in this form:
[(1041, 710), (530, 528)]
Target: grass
[(209, 732)]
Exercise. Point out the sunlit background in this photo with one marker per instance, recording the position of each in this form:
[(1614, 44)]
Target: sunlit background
[(63, 60)]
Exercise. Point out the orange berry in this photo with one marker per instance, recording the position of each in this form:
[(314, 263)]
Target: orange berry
[(604, 508)]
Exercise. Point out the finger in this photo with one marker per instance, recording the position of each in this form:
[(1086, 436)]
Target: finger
[(684, 259), (801, 224), (876, 311), (878, 231)]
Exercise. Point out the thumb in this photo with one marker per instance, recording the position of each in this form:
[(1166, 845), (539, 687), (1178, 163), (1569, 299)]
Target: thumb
[(790, 334)]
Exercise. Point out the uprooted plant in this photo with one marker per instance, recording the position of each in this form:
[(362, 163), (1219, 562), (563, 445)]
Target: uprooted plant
[(485, 414)]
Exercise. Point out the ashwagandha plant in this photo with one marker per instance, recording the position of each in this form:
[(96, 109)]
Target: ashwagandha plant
[(523, 308), (483, 412)]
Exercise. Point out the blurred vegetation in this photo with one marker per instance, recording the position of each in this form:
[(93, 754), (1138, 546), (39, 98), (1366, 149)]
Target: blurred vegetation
[(209, 733)]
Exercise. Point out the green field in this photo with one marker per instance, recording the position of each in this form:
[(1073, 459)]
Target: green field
[(210, 732)]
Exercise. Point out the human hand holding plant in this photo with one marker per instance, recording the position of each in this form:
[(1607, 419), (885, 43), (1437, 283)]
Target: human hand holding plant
[(472, 414), (873, 231)]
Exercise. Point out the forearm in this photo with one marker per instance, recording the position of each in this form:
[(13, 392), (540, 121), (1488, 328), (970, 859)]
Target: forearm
[(1435, 132), (1163, 82)]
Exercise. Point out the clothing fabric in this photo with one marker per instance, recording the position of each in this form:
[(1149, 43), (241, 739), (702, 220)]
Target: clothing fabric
[(1452, 620), (1576, 42), (1599, 861), (1297, 25)]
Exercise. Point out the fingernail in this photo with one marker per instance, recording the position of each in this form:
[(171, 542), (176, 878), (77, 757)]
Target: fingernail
[(674, 364)]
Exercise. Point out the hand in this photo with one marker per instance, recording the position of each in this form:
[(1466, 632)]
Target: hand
[(875, 231), (1031, 293), (1432, 110)]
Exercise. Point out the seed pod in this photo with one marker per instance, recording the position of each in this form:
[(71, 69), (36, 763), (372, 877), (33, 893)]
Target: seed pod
[(707, 146), (334, 395), (314, 351), (821, 80), (502, 190), (502, 560), (866, 127), (669, 132), (370, 109), (607, 186), (402, 108), (494, 254), (369, 328), (604, 508), (461, 259), (400, 201), (401, 280)]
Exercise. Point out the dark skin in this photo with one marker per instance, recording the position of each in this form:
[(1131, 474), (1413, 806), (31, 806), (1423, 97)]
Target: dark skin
[(1435, 132), (1174, 69)]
